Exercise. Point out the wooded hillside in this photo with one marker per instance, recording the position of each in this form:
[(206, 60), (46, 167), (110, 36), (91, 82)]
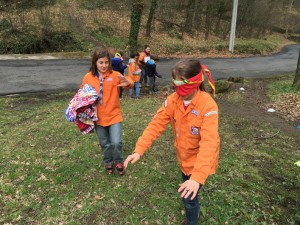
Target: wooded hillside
[(169, 26)]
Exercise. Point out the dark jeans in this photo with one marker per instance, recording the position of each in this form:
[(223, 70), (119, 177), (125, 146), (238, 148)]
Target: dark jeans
[(143, 78), (151, 83), (192, 207)]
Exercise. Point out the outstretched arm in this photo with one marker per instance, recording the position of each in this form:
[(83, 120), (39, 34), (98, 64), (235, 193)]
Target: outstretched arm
[(189, 187), (154, 129), (132, 159), (125, 82)]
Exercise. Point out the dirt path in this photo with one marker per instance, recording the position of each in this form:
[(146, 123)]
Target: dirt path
[(254, 108)]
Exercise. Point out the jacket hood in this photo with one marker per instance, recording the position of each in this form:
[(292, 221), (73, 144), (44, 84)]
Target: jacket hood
[(131, 60)]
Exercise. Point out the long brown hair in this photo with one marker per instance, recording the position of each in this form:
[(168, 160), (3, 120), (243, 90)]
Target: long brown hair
[(100, 53), (188, 68)]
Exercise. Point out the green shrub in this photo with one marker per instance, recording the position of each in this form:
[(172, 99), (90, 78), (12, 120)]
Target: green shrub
[(222, 86), (295, 38), (204, 49), (15, 41), (60, 41), (28, 42), (282, 86), (178, 47), (90, 5), (107, 37), (4, 24), (175, 34), (221, 47), (254, 47)]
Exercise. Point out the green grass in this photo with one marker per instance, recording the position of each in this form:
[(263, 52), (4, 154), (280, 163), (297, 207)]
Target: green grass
[(52, 174), (282, 86), (172, 45)]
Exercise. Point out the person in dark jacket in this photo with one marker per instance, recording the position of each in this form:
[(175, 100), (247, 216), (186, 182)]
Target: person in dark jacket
[(118, 65), (151, 73)]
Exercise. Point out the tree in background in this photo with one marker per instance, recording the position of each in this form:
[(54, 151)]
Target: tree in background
[(136, 15), (150, 17), (190, 15), (296, 82)]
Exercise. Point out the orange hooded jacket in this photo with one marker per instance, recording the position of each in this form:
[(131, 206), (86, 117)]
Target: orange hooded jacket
[(142, 58), (195, 130), (110, 111), (133, 70)]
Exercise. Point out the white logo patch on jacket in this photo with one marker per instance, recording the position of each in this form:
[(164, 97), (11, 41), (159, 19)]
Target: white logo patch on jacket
[(194, 130)]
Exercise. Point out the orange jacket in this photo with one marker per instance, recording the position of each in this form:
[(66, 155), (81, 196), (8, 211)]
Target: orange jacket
[(133, 67), (142, 58), (110, 111), (195, 130)]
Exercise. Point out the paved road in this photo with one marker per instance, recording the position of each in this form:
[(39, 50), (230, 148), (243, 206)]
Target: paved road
[(35, 75)]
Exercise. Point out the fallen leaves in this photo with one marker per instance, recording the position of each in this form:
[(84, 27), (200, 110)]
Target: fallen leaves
[(288, 106)]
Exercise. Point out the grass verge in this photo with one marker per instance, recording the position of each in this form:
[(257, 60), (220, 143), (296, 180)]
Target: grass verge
[(52, 174)]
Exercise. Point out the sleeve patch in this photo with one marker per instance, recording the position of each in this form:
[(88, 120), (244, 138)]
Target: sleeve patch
[(166, 103), (210, 113)]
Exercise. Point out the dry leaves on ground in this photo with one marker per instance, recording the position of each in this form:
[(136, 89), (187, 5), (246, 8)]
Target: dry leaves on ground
[(288, 106)]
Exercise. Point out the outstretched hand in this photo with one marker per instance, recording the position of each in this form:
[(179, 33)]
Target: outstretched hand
[(189, 187), (132, 159), (123, 81)]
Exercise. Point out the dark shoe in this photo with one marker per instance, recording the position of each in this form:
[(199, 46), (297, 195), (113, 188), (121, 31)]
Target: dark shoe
[(109, 169), (120, 169)]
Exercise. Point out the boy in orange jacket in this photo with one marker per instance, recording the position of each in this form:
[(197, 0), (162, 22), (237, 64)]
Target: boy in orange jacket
[(134, 73), (193, 115)]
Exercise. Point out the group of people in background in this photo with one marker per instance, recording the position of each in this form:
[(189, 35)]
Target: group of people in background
[(191, 111), (141, 69)]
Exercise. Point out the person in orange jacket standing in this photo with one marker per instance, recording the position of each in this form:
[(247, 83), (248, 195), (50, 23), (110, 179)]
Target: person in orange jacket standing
[(109, 124), (143, 58), (134, 73), (193, 115)]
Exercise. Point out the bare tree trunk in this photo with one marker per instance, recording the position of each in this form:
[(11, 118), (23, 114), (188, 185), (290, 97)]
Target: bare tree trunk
[(188, 25), (150, 17), (208, 20), (136, 16), (221, 11), (289, 9), (296, 82)]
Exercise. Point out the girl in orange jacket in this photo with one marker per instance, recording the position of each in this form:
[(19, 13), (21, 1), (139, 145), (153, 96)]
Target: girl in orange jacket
[(108, 127), (193, 115)]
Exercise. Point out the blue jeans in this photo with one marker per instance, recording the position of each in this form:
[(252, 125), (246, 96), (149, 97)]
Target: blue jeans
[(192, 207), (137, 90), (110, 139)]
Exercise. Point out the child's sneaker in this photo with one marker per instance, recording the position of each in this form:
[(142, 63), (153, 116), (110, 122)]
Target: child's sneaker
[(120, 169), (109, 169)]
